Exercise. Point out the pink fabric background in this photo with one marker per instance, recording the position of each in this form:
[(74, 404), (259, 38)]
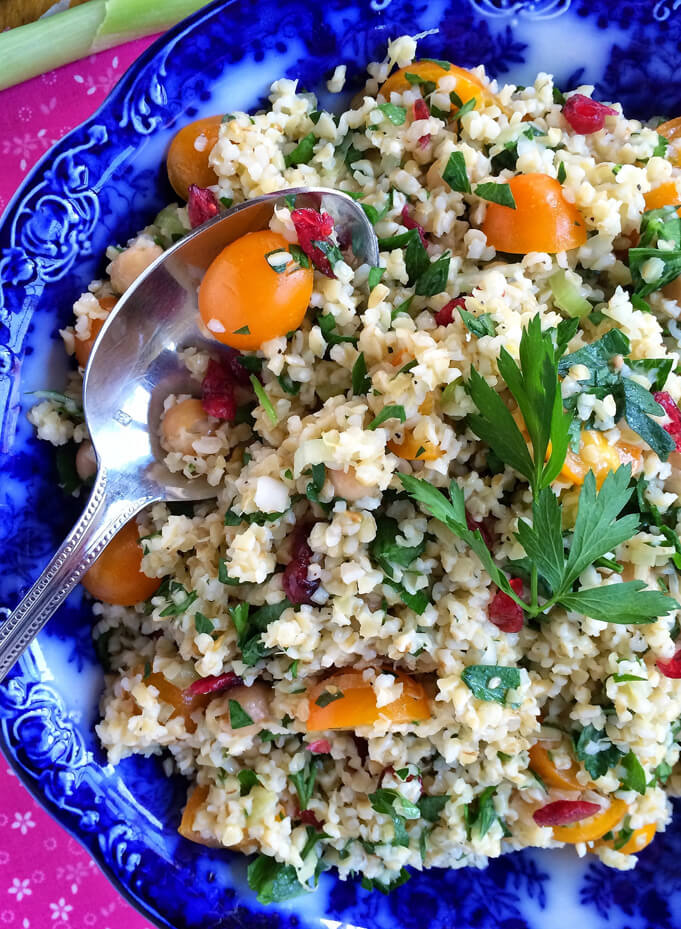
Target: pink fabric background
[(46, 878)]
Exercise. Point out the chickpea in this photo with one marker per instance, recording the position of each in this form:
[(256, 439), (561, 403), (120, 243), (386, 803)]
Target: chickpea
[(183, 424), (347, 486), (127, 267), (86, 462)]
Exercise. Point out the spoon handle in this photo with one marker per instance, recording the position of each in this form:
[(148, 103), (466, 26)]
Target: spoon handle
[(107, 511)]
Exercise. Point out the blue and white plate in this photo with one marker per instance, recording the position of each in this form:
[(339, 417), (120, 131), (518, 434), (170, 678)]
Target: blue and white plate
[(99, 185)]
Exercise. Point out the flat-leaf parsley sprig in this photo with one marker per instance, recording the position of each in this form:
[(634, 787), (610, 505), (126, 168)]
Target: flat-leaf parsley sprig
[(535, 386), (597, 531)]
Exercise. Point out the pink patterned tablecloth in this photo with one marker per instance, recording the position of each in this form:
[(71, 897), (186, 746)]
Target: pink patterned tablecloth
[(46, 878)]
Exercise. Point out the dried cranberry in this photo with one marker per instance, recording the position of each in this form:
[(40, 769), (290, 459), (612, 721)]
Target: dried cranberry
[(562, 812), (584, 114), (504, 612), (421, 110), (483, 527), (309, 819), (217, 392), (424, 141), (671, 668), (320, 747), (407, 780), (673, 427), (298, 587), (412, 224), (445, 316), (202, 205), (213, 684), (312, 227)]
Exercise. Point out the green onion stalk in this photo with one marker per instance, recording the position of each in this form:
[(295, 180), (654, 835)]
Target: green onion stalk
[(53, 41)]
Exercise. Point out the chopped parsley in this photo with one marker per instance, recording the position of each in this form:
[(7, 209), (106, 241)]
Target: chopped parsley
[(496, 193), (304, 781), (396, 114), (238, 717), (394, 411), (328, 696), (303, 151), (478, 325), (455, 173), (202, 624), (490, 682), (264, 400), (375, 275), (596, 752), (360, 381)]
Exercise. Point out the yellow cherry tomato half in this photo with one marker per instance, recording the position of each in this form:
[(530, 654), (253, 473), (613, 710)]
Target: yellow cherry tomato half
[(412, 449), (542, 221), (598, 455), (467, 84), (541, 764), (345, 700), (637, 841), (117, 577), (187, 159), (595, 827), (244, 301)]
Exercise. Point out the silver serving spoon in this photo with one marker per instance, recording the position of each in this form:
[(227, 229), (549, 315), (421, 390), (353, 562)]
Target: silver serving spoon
[(133, 367)]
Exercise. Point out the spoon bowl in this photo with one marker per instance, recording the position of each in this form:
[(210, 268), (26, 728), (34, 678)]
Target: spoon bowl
[(134, 366)]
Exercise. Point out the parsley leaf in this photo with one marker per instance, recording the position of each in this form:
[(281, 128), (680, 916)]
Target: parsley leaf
[(373, 214), (536, 389), (385, 887), (238, 717), (661, 225), (416, 602), (496, 193), (396, 114), (596, 751), (480, 813), (394, 411), (375, 275), (247, 780), (328, 696), (478, 325), (479, 677), (391, 803), (327, 324), (360, 382), (433, 280), (314, 488), (635, 776), (304, 781), (455, 173), (202, 624), (431, 807), (387, 552), (303, 151), (272, 880)]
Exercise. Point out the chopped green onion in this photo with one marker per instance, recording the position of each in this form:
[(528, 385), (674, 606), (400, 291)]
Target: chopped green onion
[(567, 297), (265, 401)]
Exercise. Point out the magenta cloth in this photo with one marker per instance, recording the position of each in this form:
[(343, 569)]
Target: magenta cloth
[(46, 878)]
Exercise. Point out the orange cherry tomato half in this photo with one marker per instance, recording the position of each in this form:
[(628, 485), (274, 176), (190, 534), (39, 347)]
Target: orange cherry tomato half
[(195, 801), (117, 577), (467, 84), (595, 827), (345, 700), (83, 347), (412, 449), (664, 195), (543, 220), (637, 841), (598, 455), (183, 703), (244, 302), (541, 764), (188, 164)]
